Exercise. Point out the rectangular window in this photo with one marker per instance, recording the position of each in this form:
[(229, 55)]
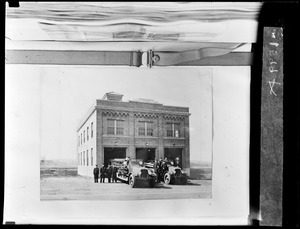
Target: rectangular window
[(173, 130), (92, 130), (119, 127), (80, 158), (81, 138), (115, 127), (87, 157), (169, 130), (83, 157), (142, 128), (87, 133), (78, 140), (84, 136), (149, 127), (92, 158), (110, 126), (145, 128), (176, 130)]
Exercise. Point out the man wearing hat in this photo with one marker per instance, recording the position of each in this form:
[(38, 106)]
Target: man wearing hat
[(177, 161), (96, 174), (102, 173)]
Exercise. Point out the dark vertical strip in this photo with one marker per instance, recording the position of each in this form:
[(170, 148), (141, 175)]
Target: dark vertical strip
[(285, 15), (291, 128), (272, 128), (254, 154)]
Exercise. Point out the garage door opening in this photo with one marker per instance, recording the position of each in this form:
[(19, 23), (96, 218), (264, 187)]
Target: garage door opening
[(145, 154), (112, 153), (172, 153)]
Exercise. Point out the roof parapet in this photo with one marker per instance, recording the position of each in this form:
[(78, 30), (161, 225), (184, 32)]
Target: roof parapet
[(113, 96)]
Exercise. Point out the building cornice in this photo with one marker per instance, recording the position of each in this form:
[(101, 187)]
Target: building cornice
[(115, 113), (173, 117), (145, 115), (143, 111)]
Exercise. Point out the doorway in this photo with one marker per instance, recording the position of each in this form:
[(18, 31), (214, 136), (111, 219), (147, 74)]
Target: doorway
[(145, 154), (112, 153), (172, 153)]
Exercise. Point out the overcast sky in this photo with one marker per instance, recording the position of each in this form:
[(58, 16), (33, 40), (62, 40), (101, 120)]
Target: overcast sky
[(67, 93)]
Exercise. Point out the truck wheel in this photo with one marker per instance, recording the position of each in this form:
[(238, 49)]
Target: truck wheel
[(167, 178), (131, 181), (151, 183)]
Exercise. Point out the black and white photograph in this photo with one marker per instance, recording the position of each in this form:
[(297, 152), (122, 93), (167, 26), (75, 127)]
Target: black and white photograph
[(157, 134), (134, 113)]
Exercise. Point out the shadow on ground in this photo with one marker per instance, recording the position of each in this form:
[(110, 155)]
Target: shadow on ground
[(194, 184), (157, 186), (160, 185)]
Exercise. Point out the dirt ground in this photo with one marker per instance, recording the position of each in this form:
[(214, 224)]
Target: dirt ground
[(84, 188)]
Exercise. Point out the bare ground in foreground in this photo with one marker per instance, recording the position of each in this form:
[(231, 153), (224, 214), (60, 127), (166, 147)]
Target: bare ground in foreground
[(84, 188)]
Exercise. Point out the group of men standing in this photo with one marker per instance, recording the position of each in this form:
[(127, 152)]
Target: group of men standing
[(109, 172), (161, 166)]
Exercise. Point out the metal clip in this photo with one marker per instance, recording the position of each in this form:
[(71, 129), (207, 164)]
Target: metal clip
[(147, 59)]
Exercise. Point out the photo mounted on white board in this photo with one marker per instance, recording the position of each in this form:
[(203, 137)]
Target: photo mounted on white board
[(99, 129), (153, 141)]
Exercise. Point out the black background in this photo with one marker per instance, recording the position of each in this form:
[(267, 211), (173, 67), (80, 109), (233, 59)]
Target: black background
[(286, 15), (275, 14)]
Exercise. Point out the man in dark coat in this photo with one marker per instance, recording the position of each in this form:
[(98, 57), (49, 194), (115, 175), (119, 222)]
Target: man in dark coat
[(102, 173), (165, 165), (109, 172), (159, 169), (156, 169), (155, 165), (96, 174), (115, 170)]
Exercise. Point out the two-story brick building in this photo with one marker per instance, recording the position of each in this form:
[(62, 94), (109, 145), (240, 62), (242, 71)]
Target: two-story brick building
[(142, 129)]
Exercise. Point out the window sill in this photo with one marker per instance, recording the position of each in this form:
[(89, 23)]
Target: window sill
[(174, 138), (146, 137), (114, 136)]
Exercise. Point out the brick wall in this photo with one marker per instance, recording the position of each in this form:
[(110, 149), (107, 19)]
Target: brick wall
[(142, 141), (131, 113), (115, 116), (152, 119), (176, 120), (115, 141), (174, 142)]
